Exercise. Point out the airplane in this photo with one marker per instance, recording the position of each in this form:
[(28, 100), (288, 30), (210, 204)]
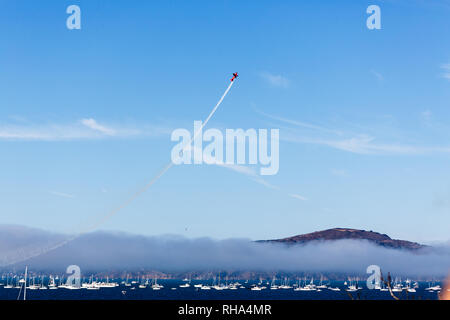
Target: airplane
[(235, 75)]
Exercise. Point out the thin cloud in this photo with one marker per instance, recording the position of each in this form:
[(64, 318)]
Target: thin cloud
[(275, 80), (84, 129), (297, 196), (359, 143), (92, 124), (62, 194), (301, 124), (378, 75), (338, 172), (366, 145), (446, 71), (426, 115)]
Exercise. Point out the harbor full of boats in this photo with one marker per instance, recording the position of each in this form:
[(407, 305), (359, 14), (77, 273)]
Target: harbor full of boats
[(144, 287)]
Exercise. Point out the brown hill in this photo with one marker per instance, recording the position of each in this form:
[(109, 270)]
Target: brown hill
[(345, 234)]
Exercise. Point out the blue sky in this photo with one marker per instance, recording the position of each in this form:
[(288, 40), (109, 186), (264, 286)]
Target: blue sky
[(86, 115)]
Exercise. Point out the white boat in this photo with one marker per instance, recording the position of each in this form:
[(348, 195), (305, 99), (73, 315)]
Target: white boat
[(321, 285), (187, 284), (33, 285), (306, 288), (273, 285), (42, 286), (397, 287), (286, 284), (155, 285), (52, 284), (92, 288), (351, 288), (126, 282), (8, 286), (106, 284)]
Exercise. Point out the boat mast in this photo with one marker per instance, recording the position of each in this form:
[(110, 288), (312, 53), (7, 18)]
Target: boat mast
[(25, 284)]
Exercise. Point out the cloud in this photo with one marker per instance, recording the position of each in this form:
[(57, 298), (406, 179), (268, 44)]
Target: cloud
[(91, 123), (378, 75), (338, 172), (359, 143), (61, 194), (446, 71), (297, 196), (84, 129), (426, 115), (366, 145), (275, 80), (300, 124), (101, 251)]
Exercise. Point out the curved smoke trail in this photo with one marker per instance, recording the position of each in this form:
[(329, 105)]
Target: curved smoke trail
[(103, 219)]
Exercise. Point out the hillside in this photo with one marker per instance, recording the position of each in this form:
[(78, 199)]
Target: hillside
[(345, 234)]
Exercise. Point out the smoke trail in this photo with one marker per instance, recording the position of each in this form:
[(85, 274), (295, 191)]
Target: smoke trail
[(213, 111), (95, 225)]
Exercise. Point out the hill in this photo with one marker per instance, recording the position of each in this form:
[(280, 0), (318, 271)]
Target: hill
[(346, 234)]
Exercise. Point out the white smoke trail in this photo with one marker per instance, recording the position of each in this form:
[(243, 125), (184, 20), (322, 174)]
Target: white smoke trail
[(213, 111), (103, 219)]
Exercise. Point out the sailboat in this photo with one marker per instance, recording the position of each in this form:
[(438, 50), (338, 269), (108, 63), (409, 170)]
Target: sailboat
[(156, 286), (321, 285), (92, 285), (143, 284), (18, 283), (256, 288), (42, 286), (24, 285), (187, 283), (273, 285), (285, 285), (334, 289), (351, 287), (52, 284), (126, 282), (8, 286), (33, 286)]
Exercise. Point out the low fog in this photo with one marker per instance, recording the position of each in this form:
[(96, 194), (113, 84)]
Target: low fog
[(108, 251)]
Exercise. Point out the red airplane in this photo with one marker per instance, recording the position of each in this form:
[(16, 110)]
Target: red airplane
[(235, 75)]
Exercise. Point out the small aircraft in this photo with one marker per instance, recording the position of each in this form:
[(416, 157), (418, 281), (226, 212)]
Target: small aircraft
[(235, 75)]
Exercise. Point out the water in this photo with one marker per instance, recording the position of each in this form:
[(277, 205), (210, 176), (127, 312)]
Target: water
[(192, 293)]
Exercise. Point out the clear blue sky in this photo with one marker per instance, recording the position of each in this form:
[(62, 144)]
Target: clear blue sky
[(364, 117)]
